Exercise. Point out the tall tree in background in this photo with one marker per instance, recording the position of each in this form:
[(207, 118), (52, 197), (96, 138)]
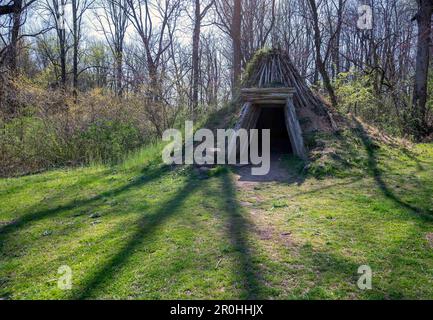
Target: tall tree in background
[(79, 7), (419, 110), (199, 15), (335, 33), (76, 39), (212, 66), (322, 38), (114, 24), (236, 41), (16, 9), (258, 22), (155, 41), (320, 62), (56, 9), (16, 25)]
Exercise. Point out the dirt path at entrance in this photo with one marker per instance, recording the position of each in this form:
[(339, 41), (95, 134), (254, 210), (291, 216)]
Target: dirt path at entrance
[(279, 172)]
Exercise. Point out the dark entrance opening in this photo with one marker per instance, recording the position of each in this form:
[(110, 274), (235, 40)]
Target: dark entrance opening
[(272, 117)]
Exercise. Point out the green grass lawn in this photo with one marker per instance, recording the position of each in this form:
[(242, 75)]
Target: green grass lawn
[(141, 230)]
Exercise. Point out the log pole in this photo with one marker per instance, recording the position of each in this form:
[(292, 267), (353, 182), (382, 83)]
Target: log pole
[(294, 129)]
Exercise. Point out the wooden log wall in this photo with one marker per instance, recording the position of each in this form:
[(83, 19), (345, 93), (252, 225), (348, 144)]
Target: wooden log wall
[(251, 112), (294, 129)]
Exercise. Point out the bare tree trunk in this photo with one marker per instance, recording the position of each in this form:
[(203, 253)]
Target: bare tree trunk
[(319, 61), (140, 18), (63, 59), (196, 57), (61, 34), (236, 38), (199, 15), (419, 110), (119, 71), (75, 49), (155, 92), (16, 25), (336, 46), (114, 23)]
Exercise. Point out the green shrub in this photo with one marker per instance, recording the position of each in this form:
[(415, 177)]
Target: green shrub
[(108, 140), (42, 128), (360, 93)]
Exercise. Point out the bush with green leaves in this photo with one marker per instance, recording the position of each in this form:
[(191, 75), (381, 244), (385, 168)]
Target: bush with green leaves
[(376, 102), (108, 140), (43, 128)]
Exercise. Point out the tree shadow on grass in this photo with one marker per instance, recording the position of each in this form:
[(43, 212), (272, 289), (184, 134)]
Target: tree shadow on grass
[(371, 148), (335, 276), (251, 274), (27, 187), (147, 225), (413, 157), (238, 228), (399, 271), (147, 176), (328, 271)]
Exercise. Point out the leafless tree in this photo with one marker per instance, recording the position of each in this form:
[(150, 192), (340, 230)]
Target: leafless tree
[(114, 23), (16, 9), (154, 39), (199, 15), (230, 22), (320, 61), (423, 19), (153, 55), (56, 20), (79, 7)]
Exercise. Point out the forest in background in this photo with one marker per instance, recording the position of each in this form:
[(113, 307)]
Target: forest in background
[(91, 80)]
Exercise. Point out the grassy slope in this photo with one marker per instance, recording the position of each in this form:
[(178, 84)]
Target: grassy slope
[(159, 232)]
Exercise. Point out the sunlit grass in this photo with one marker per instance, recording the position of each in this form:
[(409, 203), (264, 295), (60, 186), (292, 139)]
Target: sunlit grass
[(141, 230)]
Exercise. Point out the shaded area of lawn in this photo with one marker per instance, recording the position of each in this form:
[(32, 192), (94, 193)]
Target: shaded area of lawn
[(145, 231), (35, 215), (377, 174), (156, 232), (125, 241), (237, 232), (235, 225)]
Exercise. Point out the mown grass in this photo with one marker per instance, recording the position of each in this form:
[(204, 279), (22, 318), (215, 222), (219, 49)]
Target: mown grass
[(323, 230), (142, 230)]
